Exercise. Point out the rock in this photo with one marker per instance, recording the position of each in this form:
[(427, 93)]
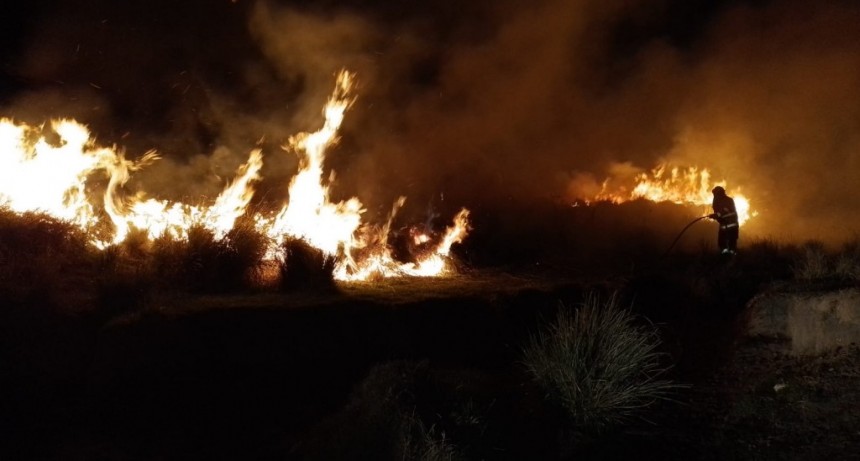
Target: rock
[(812, 322)]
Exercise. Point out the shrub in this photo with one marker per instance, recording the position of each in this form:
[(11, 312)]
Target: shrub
[(247, 250), (138, 267), (598, 363), (381, 421), (306, 268), (221, 265), (44, 261)]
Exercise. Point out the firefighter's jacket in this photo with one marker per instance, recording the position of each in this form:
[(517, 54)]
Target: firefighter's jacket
[(727, 214)]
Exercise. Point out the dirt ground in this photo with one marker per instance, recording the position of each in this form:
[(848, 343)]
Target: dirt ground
[(764, 404), (275, 377)]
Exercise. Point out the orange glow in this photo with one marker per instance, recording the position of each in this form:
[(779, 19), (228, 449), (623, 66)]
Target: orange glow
[(684, 186), (52, 177)]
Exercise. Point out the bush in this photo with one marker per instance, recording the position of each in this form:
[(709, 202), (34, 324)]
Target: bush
[(306, 268), (381, 421), (598, 364), (201, 263), (44, 262), (126, 277), (213, 265)]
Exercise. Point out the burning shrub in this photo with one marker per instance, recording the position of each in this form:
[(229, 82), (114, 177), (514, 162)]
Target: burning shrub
[(306, 268), (598, 364)]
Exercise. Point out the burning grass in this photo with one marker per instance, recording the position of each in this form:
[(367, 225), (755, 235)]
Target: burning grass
[(67, 153), (45, 261)]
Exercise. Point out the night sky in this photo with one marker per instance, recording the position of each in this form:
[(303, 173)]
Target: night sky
[(483, 104)]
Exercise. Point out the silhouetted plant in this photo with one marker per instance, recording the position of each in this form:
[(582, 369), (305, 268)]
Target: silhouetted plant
[(211, 265), (306, 268), (247, 250), (44, 261), (126, 276)]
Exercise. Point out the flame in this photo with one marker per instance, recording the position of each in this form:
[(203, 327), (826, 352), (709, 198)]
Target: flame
[(162, 217), (36, 175), (435, 261), (52, 177), (684, 186), (309, 214)]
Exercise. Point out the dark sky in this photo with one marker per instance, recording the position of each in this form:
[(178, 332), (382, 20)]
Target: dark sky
[(485, 103)]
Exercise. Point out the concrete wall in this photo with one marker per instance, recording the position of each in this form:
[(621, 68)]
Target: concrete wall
[(811, 322)]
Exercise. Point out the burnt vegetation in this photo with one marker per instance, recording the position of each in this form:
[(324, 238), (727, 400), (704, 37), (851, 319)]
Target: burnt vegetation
[(561, 341)]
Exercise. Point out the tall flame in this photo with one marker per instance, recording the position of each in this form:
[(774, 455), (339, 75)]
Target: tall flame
[(51, 177), (336, 228), (309, 214)]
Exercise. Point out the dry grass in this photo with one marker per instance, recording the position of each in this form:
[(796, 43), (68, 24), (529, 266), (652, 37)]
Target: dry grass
[(598, 364), (381, 421), (138, 268), (816, 263), (306, 268), (44, 262)]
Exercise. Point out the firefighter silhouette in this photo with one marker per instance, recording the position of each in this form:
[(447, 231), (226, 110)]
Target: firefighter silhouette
[(726, 215)]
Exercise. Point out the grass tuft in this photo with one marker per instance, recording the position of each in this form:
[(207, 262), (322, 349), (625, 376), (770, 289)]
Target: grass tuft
[(306, 268), (815, 263), (420, 443), (44, 261), (598, 363)]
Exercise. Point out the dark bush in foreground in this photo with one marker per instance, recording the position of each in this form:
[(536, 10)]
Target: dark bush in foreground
[(381, 421), (306, 268), (598, 364)]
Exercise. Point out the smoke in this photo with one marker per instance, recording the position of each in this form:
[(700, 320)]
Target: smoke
[(775, 107), (479, 105), (765, 96)]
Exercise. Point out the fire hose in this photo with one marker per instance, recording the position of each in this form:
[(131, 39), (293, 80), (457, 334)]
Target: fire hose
[(682, 233)]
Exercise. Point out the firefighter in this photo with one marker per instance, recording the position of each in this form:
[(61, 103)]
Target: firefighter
[(726, 215)]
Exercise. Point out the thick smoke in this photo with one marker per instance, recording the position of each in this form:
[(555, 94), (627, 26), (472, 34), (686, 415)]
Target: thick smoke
[(483, 105)]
